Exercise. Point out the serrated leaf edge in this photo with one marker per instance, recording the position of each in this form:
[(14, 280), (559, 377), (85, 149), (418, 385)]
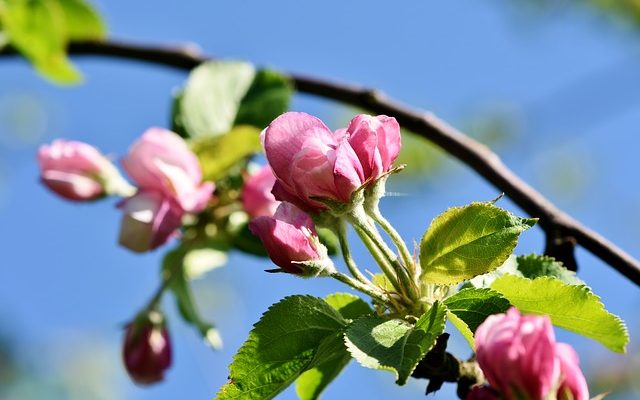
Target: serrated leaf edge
[(586, 291), (528, 222)]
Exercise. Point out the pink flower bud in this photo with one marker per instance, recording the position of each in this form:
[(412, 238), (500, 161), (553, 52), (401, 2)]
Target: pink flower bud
[(482, 393), (288, 236), (573, 385), (517, 355), (146, 352), (257, 198), (376, 141), (161, 160), (75, 170), (150, 219), (309, 161)]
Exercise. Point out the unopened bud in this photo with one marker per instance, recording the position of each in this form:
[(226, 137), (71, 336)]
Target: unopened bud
[(147, 350)]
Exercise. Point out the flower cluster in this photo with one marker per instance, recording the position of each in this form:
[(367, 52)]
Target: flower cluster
[(312, 163), (169, 178), (307, 164), (521, 359), (166, 172), (314, 176)]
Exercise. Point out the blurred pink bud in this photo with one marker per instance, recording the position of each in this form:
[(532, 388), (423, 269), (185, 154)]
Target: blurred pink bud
[(376, 141), (573, 385), (517, 355), (76, 171), (288, 236), (161, 160), (309, 161), (257, 198), (146, 352), (482, 393), (150, 219)]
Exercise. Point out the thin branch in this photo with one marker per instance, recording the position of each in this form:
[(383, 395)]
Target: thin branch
[(553, 221)]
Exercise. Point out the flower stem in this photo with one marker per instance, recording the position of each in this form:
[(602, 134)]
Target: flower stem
[(346, 254), (381, 260), (395, 238), (154, 302), (406, 284), (370, 290)]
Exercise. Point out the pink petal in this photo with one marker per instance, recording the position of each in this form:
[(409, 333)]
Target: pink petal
[(348, 174), (312, 172), (161, 161), (72, 186), (150, 219), (376, 141), (293, 215), (282, 194), (286, 136), (257, 199), (517, 352), (75, 170), (284, 243), (71, 156), (573, 382), (158, 147), (389, 140)]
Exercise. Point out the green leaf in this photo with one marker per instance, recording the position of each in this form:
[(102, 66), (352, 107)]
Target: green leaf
[(332, 357), (296, 334), (37, 29), (348, 305), (173, 269), (82, 21), (468, 308), (198, 260), (395, 345), (510, 266), (473, 306), (533, 266), (217, 155), (267, 98), (463, 328), (311, 383), (208, 104), (464, 242), (572, 307)]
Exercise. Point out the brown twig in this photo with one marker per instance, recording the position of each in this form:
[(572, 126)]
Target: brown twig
[(556, 224)]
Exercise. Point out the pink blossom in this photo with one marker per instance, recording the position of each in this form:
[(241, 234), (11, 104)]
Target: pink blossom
[(520, 358), (288, 236), (77, 171), (573, 385), (376, 141), (150, 219), (517, 354), (146, 352), (257, 198), (309, 161), (161, 160)]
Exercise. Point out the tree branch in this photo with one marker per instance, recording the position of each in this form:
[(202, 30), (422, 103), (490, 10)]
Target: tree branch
[(557, 225)]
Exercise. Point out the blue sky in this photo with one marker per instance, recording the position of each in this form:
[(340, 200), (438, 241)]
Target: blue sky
[(566, 80)]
